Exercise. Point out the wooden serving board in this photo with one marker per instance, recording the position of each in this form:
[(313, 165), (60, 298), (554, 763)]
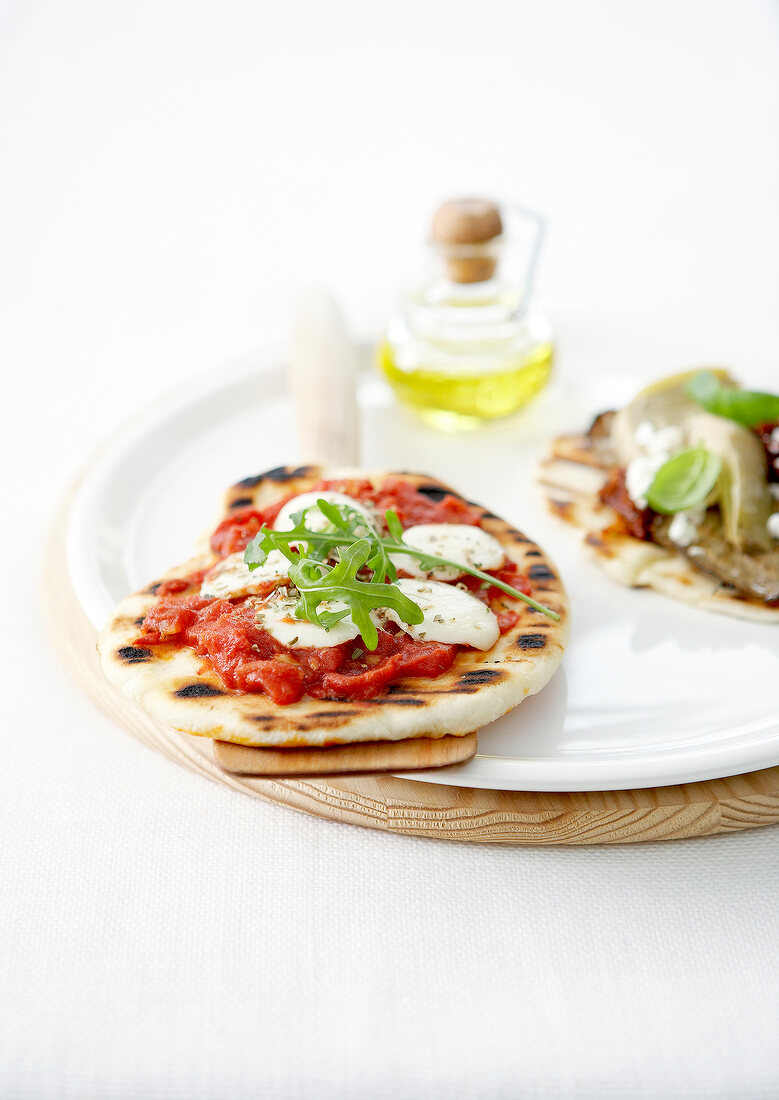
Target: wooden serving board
[(422, 809), (412, 754)]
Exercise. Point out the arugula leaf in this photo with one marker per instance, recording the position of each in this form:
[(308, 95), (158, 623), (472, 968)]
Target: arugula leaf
[(318, 582), (264, 541), (354, 523), (747, 407), (301, 541), (344, 518), (346, 530), (429, 562), (394, 526)]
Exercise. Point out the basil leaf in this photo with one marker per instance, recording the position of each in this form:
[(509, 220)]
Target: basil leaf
[(747, 407), (684, 481)]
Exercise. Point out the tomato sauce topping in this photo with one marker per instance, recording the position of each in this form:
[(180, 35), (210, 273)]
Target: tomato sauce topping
[(632, 520), (415, 506), (502, 604), (239, 528), (247, 658)]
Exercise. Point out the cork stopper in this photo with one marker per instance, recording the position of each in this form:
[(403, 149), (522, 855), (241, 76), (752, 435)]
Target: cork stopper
[(466, 233)]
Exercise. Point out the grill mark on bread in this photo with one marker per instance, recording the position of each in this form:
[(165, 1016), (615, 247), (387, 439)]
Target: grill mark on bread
[(197, 691), (598, 543), (401, 701), (434, 492), (530, 641), (482, 676), (289, 473), (133, 654), (561, 508), (277, 474), (401, 689), (241, 502), (541, 572)]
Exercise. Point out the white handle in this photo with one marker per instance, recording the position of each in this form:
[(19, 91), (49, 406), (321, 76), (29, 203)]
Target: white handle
[(323, 381)]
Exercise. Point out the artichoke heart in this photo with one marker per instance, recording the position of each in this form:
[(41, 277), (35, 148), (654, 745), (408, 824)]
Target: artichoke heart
[(663, 404), (744, 497)]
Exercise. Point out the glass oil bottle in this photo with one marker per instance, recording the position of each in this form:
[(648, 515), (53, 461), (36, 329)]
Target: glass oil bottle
[(467, 345)]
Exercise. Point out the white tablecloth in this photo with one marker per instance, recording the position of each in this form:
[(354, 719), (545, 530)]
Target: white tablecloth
[(172, 174)]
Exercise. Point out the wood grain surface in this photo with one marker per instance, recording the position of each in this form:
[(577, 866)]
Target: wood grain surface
[(422, 809), (373, 756)]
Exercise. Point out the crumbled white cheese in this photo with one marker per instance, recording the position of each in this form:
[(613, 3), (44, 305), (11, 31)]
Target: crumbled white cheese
[(683, 528), (316, 520), (773, 488), (654, 441), (657, 445), (451, 615), (775, 435), (644, 434), (459, 542), (772, 524), (231, 577), (639, 475), (277, 616)]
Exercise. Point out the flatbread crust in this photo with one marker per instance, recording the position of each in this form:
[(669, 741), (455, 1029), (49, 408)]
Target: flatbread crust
[(179, 689), (572, 477)]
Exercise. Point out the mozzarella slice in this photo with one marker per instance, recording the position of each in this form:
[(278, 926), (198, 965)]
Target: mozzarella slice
[(277, 616), (451, 615), (231, 577), (460, 542), (315, 520)]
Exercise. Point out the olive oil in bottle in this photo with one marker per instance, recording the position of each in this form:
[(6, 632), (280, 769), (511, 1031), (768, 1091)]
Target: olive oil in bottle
[(467, 345)]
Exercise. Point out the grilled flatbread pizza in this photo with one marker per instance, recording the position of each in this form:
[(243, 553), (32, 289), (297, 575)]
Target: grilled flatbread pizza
[(679, 492), (332, 607)]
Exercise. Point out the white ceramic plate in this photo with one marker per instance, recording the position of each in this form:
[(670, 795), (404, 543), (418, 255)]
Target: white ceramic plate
[(650, 692)]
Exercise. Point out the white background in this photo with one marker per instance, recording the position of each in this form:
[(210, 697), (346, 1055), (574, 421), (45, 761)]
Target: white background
[(171, 174)]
